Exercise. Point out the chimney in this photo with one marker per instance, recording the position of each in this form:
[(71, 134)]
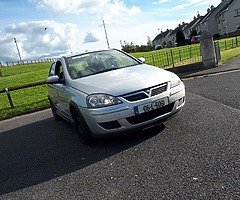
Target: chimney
[(212, 7)]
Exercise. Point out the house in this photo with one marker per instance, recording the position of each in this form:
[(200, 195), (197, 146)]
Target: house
[(228, 18), (193, 25), (221, 20), (161, 39), (172, 37), (209, 23)]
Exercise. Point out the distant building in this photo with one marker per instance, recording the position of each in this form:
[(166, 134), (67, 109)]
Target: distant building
[(172, 36), (193, 25), (210, 22), (228, 18), (221, 20), (161, 40)]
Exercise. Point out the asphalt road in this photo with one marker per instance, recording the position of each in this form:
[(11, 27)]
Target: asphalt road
[(195, 155)]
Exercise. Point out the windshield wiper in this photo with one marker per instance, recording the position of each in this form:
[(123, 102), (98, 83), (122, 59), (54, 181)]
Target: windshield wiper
[(106, 70)]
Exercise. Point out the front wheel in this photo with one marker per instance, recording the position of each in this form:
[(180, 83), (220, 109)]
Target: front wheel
[(83, 130)]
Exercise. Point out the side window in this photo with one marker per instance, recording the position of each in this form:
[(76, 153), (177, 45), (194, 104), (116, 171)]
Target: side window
[(59, 70), (52, 70)]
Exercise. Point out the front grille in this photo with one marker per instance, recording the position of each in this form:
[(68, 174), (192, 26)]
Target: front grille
[(159, 90), (137, 119), (145, 93), (110, 125), (136, 97)]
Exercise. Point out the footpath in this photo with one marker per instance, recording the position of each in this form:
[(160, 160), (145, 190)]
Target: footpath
[(227, 66)]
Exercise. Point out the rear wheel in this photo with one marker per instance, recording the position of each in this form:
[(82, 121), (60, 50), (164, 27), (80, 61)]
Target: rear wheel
[(54, 112), (83, 130)]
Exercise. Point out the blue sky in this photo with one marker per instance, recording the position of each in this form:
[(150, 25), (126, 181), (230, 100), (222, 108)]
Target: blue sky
[(76, 25)]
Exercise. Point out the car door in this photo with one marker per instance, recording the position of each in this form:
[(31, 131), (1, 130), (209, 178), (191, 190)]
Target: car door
[(63, 95), (51, 88)]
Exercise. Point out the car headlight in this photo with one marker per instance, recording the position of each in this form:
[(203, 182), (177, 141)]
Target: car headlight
[(175, 81), (101, 100)]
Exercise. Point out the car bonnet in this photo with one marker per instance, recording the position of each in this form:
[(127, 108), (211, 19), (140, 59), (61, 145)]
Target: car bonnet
[(122, 81)]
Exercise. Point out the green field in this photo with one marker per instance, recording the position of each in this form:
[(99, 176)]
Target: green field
[(178, 56), (36, 97), (25, 99), (172, 57)]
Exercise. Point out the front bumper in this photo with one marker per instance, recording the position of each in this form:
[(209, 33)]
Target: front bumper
[(122, 117)]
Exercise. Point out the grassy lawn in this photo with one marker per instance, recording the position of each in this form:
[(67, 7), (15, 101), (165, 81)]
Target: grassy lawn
[(25, 99), (230, 53), (36, 97), (229, 43), (166, 58)]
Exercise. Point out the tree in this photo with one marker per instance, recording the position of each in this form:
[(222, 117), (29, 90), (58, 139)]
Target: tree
[(180, 38), (150, 46), (129, 47), (193, 32)]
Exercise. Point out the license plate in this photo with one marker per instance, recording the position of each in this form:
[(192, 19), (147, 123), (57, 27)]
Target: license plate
[(151, 106)]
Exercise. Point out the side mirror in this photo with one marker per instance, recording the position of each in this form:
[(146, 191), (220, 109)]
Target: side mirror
[(53, 80), (142, 60)]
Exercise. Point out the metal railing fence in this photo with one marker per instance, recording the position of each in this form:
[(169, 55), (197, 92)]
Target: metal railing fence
[(175, 57)]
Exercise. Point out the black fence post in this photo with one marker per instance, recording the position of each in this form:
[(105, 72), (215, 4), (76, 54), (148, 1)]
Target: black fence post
[(171, 53), (153, 60), (7, 64), (168, 63), (225, 44), (190, 51), (180, 57), (236, 41), (9, 98)]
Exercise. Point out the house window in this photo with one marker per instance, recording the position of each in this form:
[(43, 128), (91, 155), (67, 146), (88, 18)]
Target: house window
[(237, 13)]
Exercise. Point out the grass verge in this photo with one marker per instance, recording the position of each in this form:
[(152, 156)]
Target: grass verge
[(24, 100)]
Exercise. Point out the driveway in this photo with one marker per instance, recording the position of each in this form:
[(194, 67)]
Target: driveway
[(195, 155)]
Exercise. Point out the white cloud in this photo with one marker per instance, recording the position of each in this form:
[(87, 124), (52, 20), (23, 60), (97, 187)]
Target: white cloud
[(182, 6), (34, 40), (110, 10), (72, 6), (160, 2), (91, 37), (117, 11), (195, 3)]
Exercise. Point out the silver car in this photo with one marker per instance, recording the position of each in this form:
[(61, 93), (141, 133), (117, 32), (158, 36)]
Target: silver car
[(110, 92)]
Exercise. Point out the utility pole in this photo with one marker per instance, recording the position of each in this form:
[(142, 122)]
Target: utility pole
[(17, 49), (106, 34)]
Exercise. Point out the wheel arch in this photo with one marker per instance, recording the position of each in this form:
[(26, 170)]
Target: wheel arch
[(73, 107)]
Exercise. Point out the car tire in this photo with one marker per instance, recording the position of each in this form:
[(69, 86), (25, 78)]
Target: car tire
[(82, 128), (54, 112)]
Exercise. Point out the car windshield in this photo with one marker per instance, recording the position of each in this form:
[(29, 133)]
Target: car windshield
[(98, 62)]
